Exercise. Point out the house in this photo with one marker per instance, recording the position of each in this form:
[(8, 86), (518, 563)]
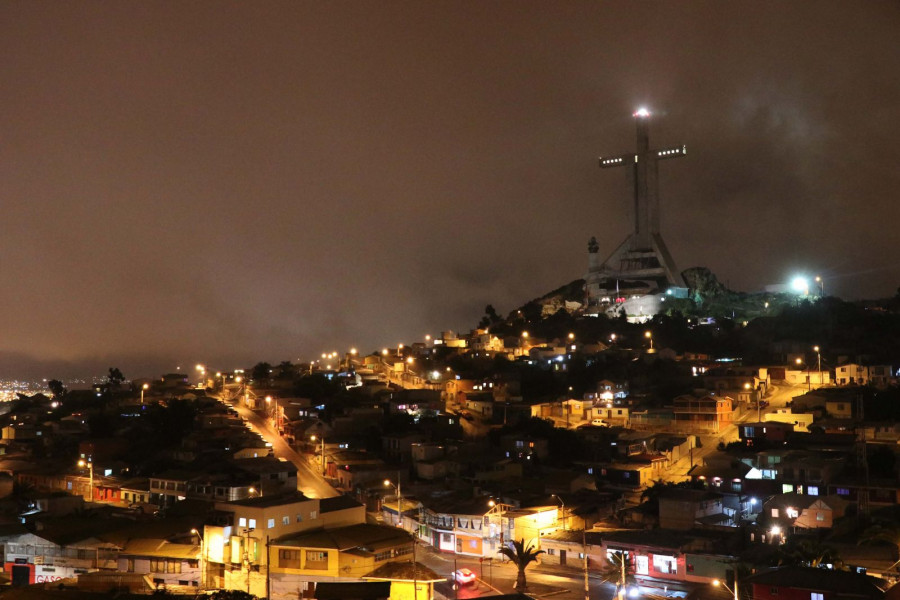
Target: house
[(856, 374), (800, 420), (519, 447), (608, 389), (300, 561), (763, 434), (798, 511), (568, 548), (629, 475), (408, 580), (707, 412), (685, 509), (455, 523), (62, 550), (480, 403), (238, 551), (165, 563), (805, 583)]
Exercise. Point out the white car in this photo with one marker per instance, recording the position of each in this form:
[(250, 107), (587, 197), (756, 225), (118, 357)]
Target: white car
[(463, 576), (599, 423)]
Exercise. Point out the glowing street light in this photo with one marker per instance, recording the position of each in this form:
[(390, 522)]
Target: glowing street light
[(800, 285), (144, 388), (649, 336), (387, 482), (313, 439), (90, 466), (734, 591), (642, 112)]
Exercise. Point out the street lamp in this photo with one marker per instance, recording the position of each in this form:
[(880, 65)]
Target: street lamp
[(799, 362), (734, 591), (387, 482), (649, 336), (821, 283), (313, 438), (563, 506), (90, 465), (818, 362), (144, 388)]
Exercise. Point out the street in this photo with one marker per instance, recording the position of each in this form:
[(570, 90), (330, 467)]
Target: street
[(309, 481)]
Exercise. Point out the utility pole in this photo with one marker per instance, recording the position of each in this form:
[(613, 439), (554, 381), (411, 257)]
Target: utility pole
[(587, 592), (268, 563)]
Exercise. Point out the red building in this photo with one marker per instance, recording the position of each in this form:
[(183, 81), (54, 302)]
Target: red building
[(805, 583)]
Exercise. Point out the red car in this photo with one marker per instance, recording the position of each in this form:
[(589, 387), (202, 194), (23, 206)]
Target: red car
[(463, 576)]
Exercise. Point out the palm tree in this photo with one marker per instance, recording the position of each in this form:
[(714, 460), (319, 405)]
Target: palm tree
[(521, 556), (619, 570)]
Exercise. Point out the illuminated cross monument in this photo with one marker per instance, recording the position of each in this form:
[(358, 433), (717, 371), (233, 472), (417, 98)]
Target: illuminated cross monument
[(641, 265)]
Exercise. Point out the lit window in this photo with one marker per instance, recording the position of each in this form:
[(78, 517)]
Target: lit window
[(242, 522), (774, 513), (816, 596), (270, 524)]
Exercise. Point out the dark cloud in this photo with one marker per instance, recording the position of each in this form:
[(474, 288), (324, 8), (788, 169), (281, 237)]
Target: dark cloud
[(234, 182)]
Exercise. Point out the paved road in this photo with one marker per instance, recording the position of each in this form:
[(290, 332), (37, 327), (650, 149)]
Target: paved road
[(309, 481), (544, 580)]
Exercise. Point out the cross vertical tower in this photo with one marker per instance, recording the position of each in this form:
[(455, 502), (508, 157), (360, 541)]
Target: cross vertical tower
[(642, 263)]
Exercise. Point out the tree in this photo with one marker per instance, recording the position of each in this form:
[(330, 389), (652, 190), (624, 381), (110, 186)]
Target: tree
[(286, 370), (114, 379), (490, 317), (57, 388), (808, 553), (261, 372), (521, 556)]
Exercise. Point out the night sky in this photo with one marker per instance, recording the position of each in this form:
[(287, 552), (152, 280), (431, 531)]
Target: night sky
[(232, 182)]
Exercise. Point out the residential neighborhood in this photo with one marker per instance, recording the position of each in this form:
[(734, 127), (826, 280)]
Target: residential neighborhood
[(413, 464)]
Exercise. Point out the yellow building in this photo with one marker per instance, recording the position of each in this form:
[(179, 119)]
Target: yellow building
[(409, 581), (298, 561)]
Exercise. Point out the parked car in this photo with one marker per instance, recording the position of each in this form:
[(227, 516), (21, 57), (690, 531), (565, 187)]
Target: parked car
[(599, 423), (463, 576)]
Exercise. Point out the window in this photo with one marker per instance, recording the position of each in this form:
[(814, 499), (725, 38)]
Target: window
[(842, 491), (551, 552), (159, 565), (285, 520), (642, 565), (130, 567), (775, 513), (252, 523), (316, 559), (313, 514), (812, 490), (791, 513), (299, 517), (816, 596), (270, 524), (289, 558), (820, 517)]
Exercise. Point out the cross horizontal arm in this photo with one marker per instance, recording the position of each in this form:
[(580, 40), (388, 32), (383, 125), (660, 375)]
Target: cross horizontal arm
[(673, 152), (607, 162)]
